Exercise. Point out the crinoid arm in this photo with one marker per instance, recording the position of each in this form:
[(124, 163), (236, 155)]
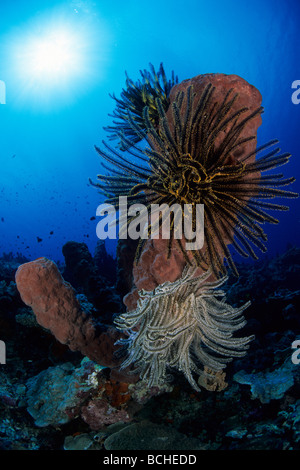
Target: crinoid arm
[(133, 100), (183, 325)]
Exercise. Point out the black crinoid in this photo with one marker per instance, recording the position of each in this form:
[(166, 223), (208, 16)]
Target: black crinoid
[(133, 100), (181, 164)]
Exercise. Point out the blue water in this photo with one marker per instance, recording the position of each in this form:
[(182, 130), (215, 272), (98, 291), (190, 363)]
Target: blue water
[(47, 133)]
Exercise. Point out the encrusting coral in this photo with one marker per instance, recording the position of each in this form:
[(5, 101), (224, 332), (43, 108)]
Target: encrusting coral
[(181, 325)]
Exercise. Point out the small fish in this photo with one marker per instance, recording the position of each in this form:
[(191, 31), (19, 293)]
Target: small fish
[(39, 240), (93, 218)]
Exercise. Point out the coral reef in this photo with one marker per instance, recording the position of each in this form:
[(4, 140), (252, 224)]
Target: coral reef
[(55, 392), (200, 148), (230, 419), (59, 394)]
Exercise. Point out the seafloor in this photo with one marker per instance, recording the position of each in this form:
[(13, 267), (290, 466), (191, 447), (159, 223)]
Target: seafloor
[(52, 398)]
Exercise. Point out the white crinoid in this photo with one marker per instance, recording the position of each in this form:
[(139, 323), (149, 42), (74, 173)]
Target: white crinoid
[(182, 325)]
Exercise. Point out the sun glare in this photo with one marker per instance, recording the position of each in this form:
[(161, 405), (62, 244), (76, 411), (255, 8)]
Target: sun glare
[(55, 58), (52, 57)]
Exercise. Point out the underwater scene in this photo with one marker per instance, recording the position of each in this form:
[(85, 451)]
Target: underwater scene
[(149, 228)]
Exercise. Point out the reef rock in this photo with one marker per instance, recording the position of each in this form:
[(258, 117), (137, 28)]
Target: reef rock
[(267, 386), (54, 392), (149, 436)]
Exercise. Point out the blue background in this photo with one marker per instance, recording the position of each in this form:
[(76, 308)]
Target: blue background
[(46, 145)]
